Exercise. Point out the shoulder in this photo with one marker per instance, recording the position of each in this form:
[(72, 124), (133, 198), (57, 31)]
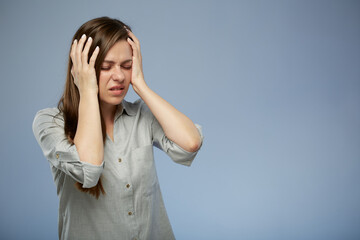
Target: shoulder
[(48, 115), (47, 111)]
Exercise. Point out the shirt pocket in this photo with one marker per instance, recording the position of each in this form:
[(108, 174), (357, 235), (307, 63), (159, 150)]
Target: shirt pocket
[(143, 171)]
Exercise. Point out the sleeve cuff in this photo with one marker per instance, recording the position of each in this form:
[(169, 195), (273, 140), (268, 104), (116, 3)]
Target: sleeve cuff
[(92, 174), (180, 155)]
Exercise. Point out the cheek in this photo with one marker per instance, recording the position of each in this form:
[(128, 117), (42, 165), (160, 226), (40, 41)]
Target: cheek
[(128, 74), (102, 80)]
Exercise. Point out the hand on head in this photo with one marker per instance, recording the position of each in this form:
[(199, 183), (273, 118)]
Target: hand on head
[(83, 71)]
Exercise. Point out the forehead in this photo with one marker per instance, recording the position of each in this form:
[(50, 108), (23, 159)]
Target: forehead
[(121, 50)]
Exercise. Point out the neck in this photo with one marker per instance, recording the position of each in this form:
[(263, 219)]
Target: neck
[(108, 113)]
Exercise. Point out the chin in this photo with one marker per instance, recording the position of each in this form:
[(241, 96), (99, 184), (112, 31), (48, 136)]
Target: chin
[(112, 101), (117, 101)]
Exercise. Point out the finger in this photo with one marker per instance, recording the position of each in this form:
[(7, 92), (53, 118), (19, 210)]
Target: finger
[(93, 57), (130, 41), (132, 35), (136, 50), (133, 46), (85, 52), (134, 38), (72, 52), (79, 49)]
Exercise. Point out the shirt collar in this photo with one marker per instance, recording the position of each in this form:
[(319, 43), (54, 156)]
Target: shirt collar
[(125, 107)]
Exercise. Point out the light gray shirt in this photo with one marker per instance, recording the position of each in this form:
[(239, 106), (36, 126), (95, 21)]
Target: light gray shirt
[(132, 207)]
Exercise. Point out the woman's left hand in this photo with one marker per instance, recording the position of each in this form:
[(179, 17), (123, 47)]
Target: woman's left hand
[(137, 77), (177, 127)]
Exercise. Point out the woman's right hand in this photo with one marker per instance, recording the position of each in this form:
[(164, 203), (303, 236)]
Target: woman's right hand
[(83, 71)]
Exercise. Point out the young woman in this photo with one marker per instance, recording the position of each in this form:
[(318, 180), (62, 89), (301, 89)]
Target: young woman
[(100, 147)]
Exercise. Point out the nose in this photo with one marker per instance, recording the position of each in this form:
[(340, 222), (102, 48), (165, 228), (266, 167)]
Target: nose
[(117, 74)]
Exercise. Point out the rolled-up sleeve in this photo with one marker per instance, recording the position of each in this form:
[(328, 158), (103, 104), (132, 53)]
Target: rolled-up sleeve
[(48, 128), (174, 151)]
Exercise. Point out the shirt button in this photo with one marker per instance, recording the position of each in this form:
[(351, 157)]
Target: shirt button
[(127, 185), (119, 160), (57, 156), (130, 213)]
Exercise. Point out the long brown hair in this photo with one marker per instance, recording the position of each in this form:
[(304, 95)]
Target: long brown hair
[(105, 32)]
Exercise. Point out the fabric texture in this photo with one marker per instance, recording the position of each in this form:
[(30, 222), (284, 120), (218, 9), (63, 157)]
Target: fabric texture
[(132, 207)]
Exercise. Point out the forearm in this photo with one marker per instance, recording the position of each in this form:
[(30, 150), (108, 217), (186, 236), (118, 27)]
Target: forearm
[(177, 126), (88, 138)]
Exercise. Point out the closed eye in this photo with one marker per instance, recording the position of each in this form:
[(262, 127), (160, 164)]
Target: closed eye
[(127, 67)]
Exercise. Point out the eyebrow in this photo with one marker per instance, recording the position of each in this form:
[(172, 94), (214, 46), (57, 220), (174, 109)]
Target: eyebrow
[(112, 62)]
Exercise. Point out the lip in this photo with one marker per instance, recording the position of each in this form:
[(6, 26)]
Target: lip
[(117, 90)]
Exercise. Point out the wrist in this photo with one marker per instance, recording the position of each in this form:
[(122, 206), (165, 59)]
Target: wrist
[(140, 87), (88, 93)]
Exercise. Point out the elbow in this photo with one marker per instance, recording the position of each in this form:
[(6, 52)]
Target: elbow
[(90, 155), (195, 140), (193, 145)]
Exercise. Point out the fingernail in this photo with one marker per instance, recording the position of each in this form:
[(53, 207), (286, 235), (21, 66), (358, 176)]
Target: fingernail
[(97, 48), (83, 36), (75, 41), (89, 39)]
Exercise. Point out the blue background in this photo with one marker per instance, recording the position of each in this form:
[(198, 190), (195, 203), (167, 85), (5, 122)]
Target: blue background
[(275, 85)]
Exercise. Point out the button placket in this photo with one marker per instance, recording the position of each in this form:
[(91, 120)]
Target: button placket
[(130, 192), (128, 189)]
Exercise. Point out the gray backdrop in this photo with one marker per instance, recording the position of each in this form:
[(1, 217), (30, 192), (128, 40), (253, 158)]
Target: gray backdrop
[(275, 85)]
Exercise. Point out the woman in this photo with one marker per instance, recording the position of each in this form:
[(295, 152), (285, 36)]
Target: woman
[(100, 147)]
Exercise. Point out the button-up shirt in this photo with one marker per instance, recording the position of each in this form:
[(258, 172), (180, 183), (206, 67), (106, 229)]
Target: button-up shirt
[(132, 207)]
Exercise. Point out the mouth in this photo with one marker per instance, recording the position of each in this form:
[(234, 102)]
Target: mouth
[(117, 90)]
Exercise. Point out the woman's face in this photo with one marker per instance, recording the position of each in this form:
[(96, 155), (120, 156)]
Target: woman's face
[(115, 74)]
